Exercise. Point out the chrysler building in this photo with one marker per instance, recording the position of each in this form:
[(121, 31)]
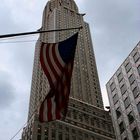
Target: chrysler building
[(86, 118)]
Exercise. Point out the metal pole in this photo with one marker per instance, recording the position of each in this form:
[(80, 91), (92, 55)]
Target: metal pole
[(37, 32)]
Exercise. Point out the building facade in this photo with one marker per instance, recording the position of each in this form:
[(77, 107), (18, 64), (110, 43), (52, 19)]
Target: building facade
[(86, 118), (124, 97)]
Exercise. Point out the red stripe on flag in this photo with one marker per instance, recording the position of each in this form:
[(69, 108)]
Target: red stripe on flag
[(50, 63), (44, 67), (56, 59), (66, 86), (49, 105), (41, 112), (57, 113)]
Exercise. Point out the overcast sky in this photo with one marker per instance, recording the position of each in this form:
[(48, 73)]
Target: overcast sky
[(115, 29)]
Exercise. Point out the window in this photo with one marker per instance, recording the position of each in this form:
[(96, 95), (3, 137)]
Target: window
[(121, 126), (135, 134), (112, 87), (135, 92), (46, 138), (130, 117), (67, 129), (92, 138), (138, 68), (131, 79), (120, 77), (136, 57), (46, 131), (138, 106), (66, 136), (39, 129), (92, 121), (80, 117), (69, 113), (128, 67), (60, 127), (123, 88), (86, 117), (115, 98), (53, 134), (73, 137), (74, 114), (118, 112), (127, 102), (38, 137), (60, 135), (98, 123), (73, 131), (86, 137)]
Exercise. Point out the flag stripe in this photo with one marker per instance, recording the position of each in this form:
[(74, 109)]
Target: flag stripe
[(57, 112), (45, 112), (57, 63), (50, 64), (41, 111), (53, 60), (44, 66), (53, 108), (58, 97), (56, 58), (49, 105), (45, 49)]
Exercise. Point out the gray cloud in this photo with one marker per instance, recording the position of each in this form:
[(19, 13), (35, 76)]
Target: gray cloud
[(7, 92), (115, 27), (23, 53), (115, 31), (19, 17), (116, 23)]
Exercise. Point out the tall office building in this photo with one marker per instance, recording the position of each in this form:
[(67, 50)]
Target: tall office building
[(124, 96), (86, 118)]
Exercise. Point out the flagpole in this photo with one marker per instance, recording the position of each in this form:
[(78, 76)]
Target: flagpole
[(37, 32)]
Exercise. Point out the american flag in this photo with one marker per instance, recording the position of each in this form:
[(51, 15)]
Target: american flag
[(57, 63)]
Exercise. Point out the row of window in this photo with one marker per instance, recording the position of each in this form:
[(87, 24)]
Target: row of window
[(123, 88), (126, 103), (134, 132), (85, 118), (130, 115), (127, 68), (136, 57), (74, 135), (131, 119), (135, 92)]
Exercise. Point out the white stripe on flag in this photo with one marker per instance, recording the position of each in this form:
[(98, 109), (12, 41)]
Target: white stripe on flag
[(47, 65), (53, 61), (45, 111), (58, 56)]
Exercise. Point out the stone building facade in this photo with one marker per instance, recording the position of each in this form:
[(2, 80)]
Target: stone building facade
[(124, 96)]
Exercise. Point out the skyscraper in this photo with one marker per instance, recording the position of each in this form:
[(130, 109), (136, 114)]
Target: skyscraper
[(124, 96), (86, 118)]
